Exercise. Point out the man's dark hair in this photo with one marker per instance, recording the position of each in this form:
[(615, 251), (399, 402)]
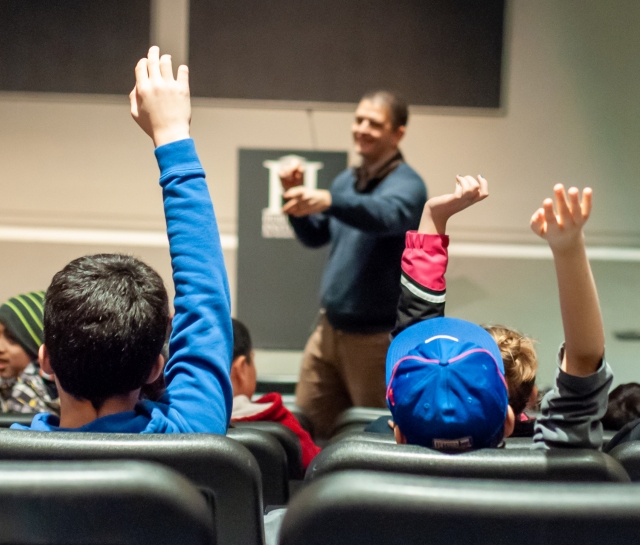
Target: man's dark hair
[(105, 321), (396, 105), (241, 340), (624, 406)]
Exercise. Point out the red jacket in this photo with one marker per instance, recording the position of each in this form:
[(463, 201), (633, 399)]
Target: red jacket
[(277, 412)]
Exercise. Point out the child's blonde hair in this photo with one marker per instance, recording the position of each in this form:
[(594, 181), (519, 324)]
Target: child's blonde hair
[(520, 364)]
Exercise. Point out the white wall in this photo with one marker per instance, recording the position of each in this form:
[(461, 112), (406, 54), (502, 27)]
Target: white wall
[(571, 115)]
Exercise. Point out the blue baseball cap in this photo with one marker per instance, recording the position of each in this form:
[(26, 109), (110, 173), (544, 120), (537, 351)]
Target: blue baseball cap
[(445, 385)]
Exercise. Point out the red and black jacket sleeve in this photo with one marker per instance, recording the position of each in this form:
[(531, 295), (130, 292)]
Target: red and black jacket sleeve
[(422, 283)]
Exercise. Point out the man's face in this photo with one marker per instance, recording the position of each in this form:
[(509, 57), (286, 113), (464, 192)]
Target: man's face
[(373, 132), (13, 358)]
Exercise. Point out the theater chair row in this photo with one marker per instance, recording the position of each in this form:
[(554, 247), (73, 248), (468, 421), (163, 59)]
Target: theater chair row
[(232, 481), (126, 503)]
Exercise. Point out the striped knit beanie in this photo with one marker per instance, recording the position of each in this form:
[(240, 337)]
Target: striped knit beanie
[(22, 316)]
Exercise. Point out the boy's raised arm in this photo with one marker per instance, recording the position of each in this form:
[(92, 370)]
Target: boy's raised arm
[(425, 258), (199, 393), (572, 410), (581, 317)]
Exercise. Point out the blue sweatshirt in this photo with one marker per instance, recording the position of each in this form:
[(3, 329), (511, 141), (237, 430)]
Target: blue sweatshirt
[(360, 283), (199, 395)]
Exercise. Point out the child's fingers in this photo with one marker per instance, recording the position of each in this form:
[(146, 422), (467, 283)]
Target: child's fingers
[(561, 202), (183, 74), (133, 101), (474, 188), (166, 69), (548, 212), (457, 192), (537, 222), (587, 197), (474, 184), (153, 62), (467, 183), (142, 74), (574, 204), (484, 186)]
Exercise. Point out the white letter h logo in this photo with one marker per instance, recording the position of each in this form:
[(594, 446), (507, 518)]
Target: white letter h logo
[(310, 170)]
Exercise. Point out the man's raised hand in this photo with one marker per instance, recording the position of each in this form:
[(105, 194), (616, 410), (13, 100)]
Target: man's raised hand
[(562, 227), (438, 210), (302, 201), (160, 103), (291, 174)]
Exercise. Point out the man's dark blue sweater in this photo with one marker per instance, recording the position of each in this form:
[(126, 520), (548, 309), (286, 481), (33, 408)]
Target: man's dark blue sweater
[(360, 284)]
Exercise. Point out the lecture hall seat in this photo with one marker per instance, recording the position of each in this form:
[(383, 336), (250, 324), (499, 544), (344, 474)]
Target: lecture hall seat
[(287, 439), (359, 507), (100, 503), (222, 468), (628, 454), (512, 464)]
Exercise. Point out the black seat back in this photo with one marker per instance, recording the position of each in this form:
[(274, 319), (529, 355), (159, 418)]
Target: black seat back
[(6, 419), (356, 418), (115, 503), (518, 442), (387, 509), (607, 436), (628, 454), (272, 460), (223, 468), (358, 436), (287, 439), (516, 464)]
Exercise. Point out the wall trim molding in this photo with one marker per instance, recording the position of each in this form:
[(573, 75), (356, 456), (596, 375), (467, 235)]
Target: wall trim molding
[(538, 251), (245, 104), (158, 239), (101, 237)]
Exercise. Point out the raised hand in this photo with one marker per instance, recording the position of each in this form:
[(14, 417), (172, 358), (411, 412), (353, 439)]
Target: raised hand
[(291, 175), (438, 210), (160, 103), (302, 201), (581, 317), (562, 227)]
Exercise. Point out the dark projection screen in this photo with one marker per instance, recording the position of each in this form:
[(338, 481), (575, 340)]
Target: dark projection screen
[(434, 52), (73, 46)]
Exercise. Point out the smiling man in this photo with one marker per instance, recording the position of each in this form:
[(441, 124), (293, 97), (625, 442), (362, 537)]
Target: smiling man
[(364, 216)]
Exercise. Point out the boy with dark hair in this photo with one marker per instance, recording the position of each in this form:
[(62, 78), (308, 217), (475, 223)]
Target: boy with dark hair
[(98, 306), (446, 384), (623, 406), (623, 415), (269, 407), (23, 387), (106, 316)]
